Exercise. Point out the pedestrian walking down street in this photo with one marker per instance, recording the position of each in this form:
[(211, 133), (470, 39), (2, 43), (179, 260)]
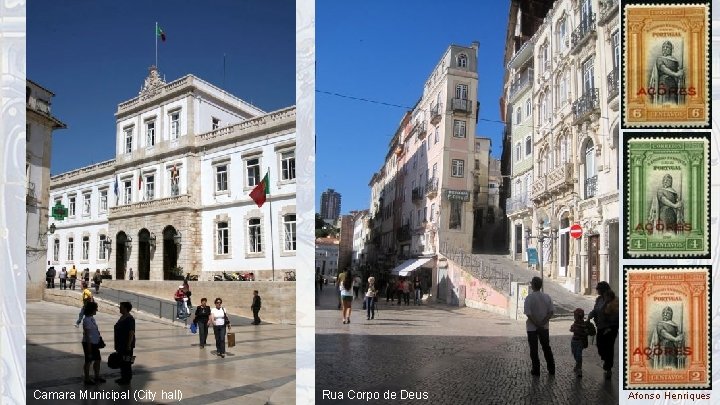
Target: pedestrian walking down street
[(370, 298), (188, 293), (255, 307), (340, 279), (320, 280), (539, 309), (73, 277), (606, 315), (418, 291), (86, 276), (180, 301), (407, 291), (357, 281), (87, 298), (390, 291), (91, 345), (346, 295), (63, 279), (125, 342), (97, 279), (220, 323), (202, 317), (579, 339), (130, 273)]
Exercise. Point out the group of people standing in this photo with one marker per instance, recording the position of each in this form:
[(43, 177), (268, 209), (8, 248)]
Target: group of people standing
[(72, 275), (403, 289), (92, 342), (539, 309)]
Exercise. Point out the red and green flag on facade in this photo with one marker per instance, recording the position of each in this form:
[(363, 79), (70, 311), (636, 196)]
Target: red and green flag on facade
[(261, 191), (160, 33)]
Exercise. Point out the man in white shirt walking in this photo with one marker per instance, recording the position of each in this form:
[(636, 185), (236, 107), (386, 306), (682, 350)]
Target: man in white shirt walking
[(539, 309)]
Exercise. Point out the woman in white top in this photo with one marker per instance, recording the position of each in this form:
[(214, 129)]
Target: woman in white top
[(220, 323), (91, 344), (346, 296), (370, 298)]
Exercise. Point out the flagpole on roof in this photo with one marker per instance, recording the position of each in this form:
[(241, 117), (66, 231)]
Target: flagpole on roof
[(156, 35), (272, 251)]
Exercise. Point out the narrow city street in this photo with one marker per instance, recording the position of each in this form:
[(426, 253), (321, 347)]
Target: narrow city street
[(445, 355)]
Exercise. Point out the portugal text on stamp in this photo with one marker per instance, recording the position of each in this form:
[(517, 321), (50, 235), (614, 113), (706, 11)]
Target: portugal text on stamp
[(666, 66), (667, 196), (666, 327)]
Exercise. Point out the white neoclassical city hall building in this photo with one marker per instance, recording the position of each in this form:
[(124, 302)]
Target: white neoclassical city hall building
[(177, 194)]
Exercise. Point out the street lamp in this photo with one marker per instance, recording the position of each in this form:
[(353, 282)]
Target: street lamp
[(541, 236)]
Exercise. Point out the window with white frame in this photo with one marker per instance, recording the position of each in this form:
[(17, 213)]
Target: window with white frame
[(518, 152), (252, 168), (462, 60), (101, 247), (127, 191), (434, 170), (288, 165), (461, 91), (289, 225), (103, 200), (85, 247), (174, 181), (128, 139), (56, 250), (528, 145), (254, 235), (518, 116), (563, 149), (562, 90), (223, 238), (221, 178), (458, 168), (174, 124), (616, 49), (149, 187), (70, 249), (150, 133), (86, 204), (459, 128), (215, 123), (561, 32), (437, 134), (71, 206), (588, 72)]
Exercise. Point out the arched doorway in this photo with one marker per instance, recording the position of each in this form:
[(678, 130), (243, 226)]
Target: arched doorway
[(121, 241), (170, 251), (144, 254)]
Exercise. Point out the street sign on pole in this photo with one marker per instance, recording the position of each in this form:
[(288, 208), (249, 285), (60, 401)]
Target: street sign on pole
[(576, 231), (532, 254)]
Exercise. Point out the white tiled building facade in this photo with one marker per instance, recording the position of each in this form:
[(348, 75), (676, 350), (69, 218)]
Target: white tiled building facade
[(177, 193)]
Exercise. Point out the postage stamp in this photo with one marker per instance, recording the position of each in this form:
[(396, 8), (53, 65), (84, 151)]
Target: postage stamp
[(667, 325), (667, 200), (666, 49)]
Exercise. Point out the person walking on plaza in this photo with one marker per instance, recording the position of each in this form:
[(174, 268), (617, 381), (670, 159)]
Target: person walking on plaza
[(180, 301), (357, 281), (87, 298), (255, 307), (346, 294), (202, 316), (340, 280), (63, 279), (130, 273), (579, 339), (539, 309), (91, 345), (370, 298), (407, 290), (125, 342), (606, 315), (418, 291), (97, 279), (221, 323), (188, 293), (86, 276), (73, 277)]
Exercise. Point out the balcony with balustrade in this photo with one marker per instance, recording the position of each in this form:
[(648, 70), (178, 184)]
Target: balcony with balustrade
[(431, 187), (420, 129), (586, 105), (142, 208), (462, 105), (608, 10), (436, 113), (418, 195), (518, 205), (557, 181), (585, 31), (613, 83), (521, 82)]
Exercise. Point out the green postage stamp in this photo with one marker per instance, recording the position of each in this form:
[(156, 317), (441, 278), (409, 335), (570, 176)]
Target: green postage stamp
[(666, 183)]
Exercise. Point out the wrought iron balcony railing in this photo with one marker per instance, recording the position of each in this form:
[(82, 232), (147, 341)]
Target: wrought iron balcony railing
[(417, 194), (436, 113), (431, 187), (587, 104), (582, 32), (613, 83), (591, 186)]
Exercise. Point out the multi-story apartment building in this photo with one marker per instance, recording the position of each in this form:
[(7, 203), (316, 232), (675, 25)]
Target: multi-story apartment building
[(360, 238), (327, 253), (330, 201), (177, 193), (572, 137), (38, 136)]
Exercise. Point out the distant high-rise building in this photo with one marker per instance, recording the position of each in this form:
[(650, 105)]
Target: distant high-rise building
[(330, 205)]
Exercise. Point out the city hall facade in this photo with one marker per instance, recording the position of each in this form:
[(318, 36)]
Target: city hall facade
[(176, 195)]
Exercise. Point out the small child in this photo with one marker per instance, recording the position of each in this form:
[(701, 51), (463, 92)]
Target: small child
[(579, 339)]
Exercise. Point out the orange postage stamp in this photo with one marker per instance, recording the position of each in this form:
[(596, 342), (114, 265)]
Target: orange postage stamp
[(667, 327), (666, 75)]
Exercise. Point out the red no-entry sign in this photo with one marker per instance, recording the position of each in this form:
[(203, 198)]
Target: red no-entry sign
[(576, 231)]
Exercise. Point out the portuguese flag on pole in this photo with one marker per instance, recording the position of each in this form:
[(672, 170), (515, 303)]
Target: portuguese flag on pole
[(160, 33), (259, 193)]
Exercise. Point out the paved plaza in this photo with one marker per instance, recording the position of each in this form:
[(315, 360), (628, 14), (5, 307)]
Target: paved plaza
[(447, 355), (260, 369)]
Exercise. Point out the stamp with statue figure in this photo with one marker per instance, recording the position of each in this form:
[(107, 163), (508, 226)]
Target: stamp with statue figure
[(666, 194), (667, 325), (666, 65)]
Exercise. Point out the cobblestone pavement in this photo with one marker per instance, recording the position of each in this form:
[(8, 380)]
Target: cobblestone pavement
[(260, 369), (445, 355)]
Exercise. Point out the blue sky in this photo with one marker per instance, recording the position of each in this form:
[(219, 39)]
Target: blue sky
[(384, 51), (95, 54)]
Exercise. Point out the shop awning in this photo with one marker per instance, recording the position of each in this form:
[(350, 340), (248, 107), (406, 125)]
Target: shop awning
[(408, 266)]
